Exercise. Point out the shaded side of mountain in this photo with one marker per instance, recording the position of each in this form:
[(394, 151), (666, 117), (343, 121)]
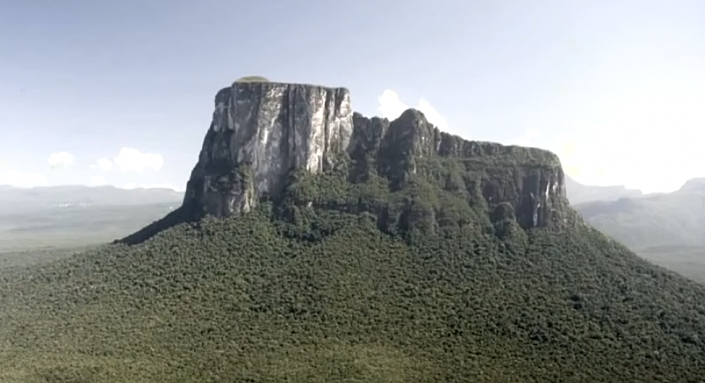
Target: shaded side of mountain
[(265, 138)]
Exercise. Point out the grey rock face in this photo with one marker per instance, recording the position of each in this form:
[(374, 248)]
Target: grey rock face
[(266, 130), (365, 144), (262, 131), (530, 180)]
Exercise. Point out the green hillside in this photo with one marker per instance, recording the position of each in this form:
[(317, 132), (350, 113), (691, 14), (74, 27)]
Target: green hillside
[(323, 292)]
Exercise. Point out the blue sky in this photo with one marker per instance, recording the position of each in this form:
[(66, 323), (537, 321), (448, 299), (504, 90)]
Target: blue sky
[(616, 88)]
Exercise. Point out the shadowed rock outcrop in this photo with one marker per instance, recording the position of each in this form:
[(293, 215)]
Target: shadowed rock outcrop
[(531, 180), (262, 132)]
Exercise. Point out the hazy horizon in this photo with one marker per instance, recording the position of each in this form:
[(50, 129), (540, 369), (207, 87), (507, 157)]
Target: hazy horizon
[(121, 93)]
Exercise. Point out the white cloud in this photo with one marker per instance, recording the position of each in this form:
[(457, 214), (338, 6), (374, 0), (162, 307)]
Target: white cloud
[(133, 185), (528, 139), (97, 181), (432, 115), (61, 160), (130, 159), (103, 164), (25, 180), (391, 107)]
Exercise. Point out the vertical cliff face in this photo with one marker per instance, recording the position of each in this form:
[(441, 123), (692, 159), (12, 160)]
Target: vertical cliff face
[(528, 180), (365, 144), (260, 132)]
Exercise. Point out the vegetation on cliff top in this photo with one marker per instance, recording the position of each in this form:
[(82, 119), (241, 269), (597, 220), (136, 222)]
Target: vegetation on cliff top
[(354, 282), (252, 79)]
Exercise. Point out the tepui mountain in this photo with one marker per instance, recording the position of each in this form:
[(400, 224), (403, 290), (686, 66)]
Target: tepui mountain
[(263, 132), (315, 244)]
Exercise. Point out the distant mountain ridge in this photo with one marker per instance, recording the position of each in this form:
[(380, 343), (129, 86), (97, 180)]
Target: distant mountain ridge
[(59, 216), (641, 221), (694, 185), (15, 199), (580, 193)]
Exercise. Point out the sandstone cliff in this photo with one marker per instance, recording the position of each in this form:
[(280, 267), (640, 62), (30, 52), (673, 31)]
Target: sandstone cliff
[(531, 180), (262, 133), (259, 133)]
